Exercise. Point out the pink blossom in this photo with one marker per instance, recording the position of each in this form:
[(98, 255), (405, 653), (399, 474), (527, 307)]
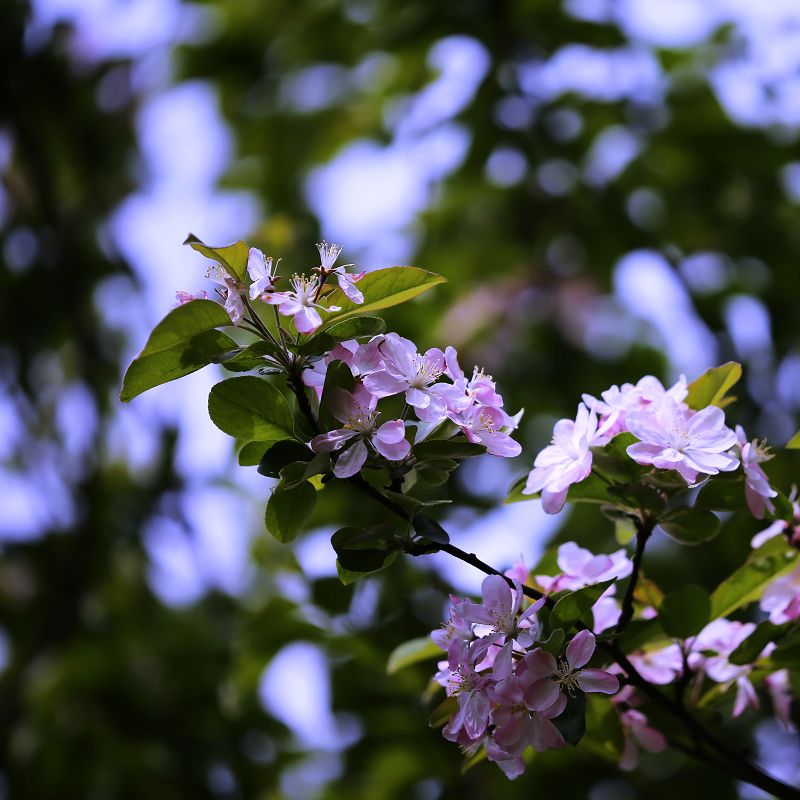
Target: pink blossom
[(567, 460), (357, 411), (551, 677), (580, 567), (677, 439), (300, 304), (259, 267), (478, 389), (780, 693), (757, 490), (781, 599), (472, 690), (638, 734), (182, 298), (231, 292), (616, 403), (659, 666), (456, 627), (487, 425), (790, 528), (314, 376), (500, 609), (328, 253), (403, 369)]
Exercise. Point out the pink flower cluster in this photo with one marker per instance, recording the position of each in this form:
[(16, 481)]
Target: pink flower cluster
[(508, 689), (301, 302), (706, 655), (695, 444), (390, 365), (579, 567)]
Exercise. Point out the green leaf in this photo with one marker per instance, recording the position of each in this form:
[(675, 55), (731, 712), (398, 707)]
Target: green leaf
[(347, 576), (604, 735), (320, 343), (722, 494), (233, 256), (251, 453), (382, 288), (337, 377), (773, 559), (685, 611), (712, 386), (183, 342), (430, 529), (288, 510), (571, 607), (456, 449), (690, 526), (442, 713), (281, 454), (794, 442), (571, 722), (246, 358), (412, 652), (363, 549), (298, 471), (787, 653), (554, 642), (250, 408), (750, 649)]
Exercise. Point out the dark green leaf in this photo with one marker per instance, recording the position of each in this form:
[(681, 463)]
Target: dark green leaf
[(572, 606), (429, 529), (447, 448), (604, 735), (554, 642), (685, 611), (250, 408), (183, 342), (288, 510), (787, 653), (690, 526), (338, 376), (412, 652), (233, 256), (722, 494), (572, 721), (363, 549), (773, 559), (381, 288), (281, 454), (712, 386), (246, 358), (750, 649), (347, 576)]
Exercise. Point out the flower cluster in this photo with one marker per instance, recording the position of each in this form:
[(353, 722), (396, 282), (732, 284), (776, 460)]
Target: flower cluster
[(671, 436), (579, 567), (508, 688), (390, 365), (301, 302), (707, 655)]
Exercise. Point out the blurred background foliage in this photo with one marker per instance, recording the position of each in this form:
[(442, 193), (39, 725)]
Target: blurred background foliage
[(611, 189)]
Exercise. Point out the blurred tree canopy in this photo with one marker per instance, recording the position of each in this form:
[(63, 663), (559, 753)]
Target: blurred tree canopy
[(569, 167)]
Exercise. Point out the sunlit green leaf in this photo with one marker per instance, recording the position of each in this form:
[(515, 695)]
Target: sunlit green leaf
[(183, 342), (233, 256), (381, 288), (794, 442), (412, 652), (746, 584), (750, 649), (712, 386), (250, 408)]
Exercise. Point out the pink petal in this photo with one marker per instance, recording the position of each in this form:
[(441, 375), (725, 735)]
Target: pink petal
[(351, 460), (597, 680), (580, 649), (541, 694)]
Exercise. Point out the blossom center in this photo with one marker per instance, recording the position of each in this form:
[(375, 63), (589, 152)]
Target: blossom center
[(566, 677), (427, 371)]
